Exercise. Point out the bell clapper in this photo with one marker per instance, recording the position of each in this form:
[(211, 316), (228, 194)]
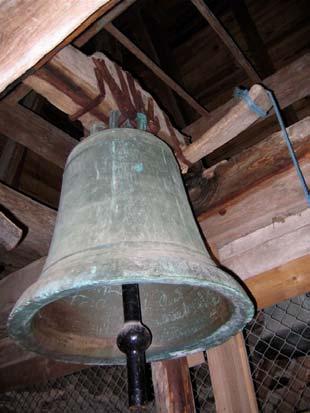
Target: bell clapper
[(133, 340)]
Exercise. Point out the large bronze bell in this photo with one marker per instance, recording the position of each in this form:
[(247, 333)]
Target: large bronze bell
[(124, 218)]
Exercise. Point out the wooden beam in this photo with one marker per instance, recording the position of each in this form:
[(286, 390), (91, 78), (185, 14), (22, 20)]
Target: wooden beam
[(227, 40), (236, 120), (38, 219), (11, 161), (271, 200), (231, 377), (155, 68), (281, 283), (230, 179), (69, 82), (10, 233), (285, 239), (255, 45), (151, 41), (102, 22), (33, 132), (32, 29), (172, 386), (196, 359), (290, 84), (38, 223), (17, 94)]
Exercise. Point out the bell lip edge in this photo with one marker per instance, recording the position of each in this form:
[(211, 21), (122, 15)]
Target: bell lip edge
[(232, 327)]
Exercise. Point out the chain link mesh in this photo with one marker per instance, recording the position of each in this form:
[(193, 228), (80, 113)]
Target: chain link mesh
[(202, 389), (278, 344)]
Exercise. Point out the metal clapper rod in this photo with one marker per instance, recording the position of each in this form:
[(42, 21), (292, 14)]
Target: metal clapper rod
[(134, 338)]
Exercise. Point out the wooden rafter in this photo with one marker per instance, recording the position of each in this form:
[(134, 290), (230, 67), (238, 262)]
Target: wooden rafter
[(34, 133), (236, 120), (70, 88), (31, 30), (284, 85), (96, 27), (69, 82), (155, 68), (216, 25)]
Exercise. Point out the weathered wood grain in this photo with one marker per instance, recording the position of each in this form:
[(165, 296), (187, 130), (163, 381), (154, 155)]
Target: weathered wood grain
[(289, 84), (33, 132), (38, 224), (231, 377), (268, 247), (100, 23), (37, 218), (69, 82), (241, 172), (30, 30), (155, 68), (281, 283), (269, 201), (10, 233), (237, 119), (226, 38), (172, 386), (11, 161)]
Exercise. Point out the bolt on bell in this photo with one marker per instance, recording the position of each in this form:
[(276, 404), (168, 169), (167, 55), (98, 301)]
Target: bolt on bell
[(124, 218)]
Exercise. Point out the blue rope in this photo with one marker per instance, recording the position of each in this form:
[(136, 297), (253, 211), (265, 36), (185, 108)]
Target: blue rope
[(244, 95)]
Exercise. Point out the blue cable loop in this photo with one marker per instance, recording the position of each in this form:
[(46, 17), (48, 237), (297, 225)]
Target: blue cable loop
[(244, 95)]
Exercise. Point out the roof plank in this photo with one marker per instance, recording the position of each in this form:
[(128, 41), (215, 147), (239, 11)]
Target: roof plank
[(30, 30)]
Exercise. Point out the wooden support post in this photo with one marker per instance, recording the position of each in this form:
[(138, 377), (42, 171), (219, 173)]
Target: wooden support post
[(172, 386), (231, 377)]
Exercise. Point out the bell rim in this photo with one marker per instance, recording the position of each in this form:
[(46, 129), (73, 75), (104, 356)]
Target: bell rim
[(242, 312)]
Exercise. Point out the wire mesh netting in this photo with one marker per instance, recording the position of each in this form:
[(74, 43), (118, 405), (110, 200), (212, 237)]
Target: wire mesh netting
[(278, 344)]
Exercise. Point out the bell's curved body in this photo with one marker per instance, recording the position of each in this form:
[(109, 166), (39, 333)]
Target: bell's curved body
[(124, 218)]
